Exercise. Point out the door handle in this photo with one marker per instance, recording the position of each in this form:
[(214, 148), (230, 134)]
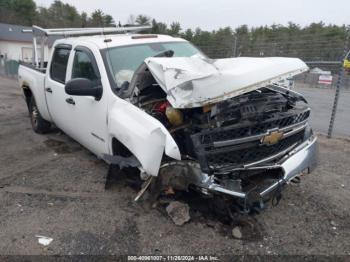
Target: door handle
[(70, 101), (48, 89)]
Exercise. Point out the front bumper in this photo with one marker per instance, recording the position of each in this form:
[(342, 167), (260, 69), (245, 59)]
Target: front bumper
[(301, 159)]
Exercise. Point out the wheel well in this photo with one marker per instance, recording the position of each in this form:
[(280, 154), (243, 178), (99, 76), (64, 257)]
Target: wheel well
[(27, 93), (119, 149)]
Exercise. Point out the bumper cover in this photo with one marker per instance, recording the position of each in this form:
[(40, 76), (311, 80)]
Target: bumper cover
[(301, 159)]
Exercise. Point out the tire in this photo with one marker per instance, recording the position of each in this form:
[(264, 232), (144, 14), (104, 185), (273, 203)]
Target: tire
[(39, 124)]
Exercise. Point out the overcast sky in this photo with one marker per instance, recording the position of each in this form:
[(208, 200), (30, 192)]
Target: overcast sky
[(212, 14)]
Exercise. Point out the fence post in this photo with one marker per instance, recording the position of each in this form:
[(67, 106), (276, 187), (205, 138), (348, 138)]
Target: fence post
[(338, 86)]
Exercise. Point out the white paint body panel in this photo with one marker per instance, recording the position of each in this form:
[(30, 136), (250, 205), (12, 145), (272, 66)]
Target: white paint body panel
[(142, 134), (195, 81), (28, 77)]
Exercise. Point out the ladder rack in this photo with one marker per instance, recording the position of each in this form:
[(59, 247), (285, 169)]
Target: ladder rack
[(38, 31), (43, 34)]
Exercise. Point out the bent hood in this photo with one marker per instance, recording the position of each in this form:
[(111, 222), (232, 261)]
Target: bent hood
[(196, 81)]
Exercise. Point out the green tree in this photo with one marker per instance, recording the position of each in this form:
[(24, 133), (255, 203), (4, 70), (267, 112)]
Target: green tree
[(143, 20), (188, 35), (108, 21), (84, 19), (100, 19), (22, 12), (174, 29), (96, 19), (159, 28)]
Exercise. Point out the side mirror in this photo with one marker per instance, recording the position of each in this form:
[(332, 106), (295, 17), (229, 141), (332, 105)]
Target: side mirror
[(84, 87)]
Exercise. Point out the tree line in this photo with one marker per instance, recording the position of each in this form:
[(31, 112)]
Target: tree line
[(316, 41), (58, 14)]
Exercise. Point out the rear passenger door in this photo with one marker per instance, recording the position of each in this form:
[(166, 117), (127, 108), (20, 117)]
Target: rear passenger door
[(54, 89)]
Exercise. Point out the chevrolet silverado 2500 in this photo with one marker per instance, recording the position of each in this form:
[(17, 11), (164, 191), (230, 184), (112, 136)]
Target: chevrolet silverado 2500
[(157, 103)]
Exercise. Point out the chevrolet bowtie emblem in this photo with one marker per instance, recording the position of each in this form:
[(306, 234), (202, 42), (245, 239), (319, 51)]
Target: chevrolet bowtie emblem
[(272, 138)]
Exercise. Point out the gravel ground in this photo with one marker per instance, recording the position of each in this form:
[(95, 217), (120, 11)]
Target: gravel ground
[(51, 186)]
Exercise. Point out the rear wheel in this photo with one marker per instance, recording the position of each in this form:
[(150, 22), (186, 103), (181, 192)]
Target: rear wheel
[(39, 124)]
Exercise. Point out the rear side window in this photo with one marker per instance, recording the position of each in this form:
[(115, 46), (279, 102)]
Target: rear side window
[(83, 66), (59, 64)]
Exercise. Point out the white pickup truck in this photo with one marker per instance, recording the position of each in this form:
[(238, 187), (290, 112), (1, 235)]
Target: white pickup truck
[(158, 104)]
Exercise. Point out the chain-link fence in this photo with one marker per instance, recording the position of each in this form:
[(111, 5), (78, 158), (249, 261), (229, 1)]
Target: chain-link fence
[(324, 54)]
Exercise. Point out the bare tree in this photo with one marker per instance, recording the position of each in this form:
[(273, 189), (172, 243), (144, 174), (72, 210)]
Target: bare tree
[(131, 20)]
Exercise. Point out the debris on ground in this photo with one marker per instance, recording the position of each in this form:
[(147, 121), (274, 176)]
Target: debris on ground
[(45, 241), (179, 212), (236, 233), (145, 185)]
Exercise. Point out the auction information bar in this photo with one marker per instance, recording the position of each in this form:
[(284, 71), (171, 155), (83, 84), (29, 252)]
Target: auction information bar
[(173, 258)]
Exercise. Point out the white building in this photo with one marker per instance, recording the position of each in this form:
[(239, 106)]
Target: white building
[(16, 45)]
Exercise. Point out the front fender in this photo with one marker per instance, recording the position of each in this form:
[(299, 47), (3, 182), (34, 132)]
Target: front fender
[(142, 134)]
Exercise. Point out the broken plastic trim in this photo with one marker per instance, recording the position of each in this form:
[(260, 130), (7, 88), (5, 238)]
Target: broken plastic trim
[(302, 158), (287, 92), (121, 161)]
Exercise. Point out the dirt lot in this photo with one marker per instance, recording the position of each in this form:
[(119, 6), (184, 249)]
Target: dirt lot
[(51, 186)]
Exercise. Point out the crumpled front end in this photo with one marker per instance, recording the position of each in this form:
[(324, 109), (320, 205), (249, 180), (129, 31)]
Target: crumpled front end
[(196, 81), (251, 160), (271, 177), (238, 133)]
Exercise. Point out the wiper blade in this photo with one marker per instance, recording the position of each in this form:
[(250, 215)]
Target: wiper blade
[(166, 53)]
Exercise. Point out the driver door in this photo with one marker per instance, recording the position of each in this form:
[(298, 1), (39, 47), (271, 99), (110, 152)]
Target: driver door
[(88, 113)]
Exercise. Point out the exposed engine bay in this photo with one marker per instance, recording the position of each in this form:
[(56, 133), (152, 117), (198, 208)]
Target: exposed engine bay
[(215, 122), (233, 146)]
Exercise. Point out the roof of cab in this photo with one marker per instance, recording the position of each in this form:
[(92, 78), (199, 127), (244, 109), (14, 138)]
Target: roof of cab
[(118, 40)]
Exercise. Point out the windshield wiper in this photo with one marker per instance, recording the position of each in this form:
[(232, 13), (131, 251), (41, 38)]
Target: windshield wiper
[(166, 53)]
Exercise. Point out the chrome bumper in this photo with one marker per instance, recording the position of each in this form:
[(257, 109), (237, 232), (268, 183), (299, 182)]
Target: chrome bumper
[(301, 159)]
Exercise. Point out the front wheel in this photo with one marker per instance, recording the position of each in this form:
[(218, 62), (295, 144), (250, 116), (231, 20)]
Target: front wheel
[(39, 124)]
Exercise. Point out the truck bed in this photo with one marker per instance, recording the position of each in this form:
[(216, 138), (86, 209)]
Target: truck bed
[(33, 78), (30, 65)]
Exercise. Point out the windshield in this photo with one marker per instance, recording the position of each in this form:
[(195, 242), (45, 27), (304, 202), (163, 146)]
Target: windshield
[(123, 61)]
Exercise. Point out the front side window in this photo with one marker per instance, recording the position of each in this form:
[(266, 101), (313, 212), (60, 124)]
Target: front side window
[(59, 64), (123, 61), (83, 66)]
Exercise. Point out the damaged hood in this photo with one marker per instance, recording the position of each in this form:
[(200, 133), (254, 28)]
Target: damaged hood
[(195, 81)]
